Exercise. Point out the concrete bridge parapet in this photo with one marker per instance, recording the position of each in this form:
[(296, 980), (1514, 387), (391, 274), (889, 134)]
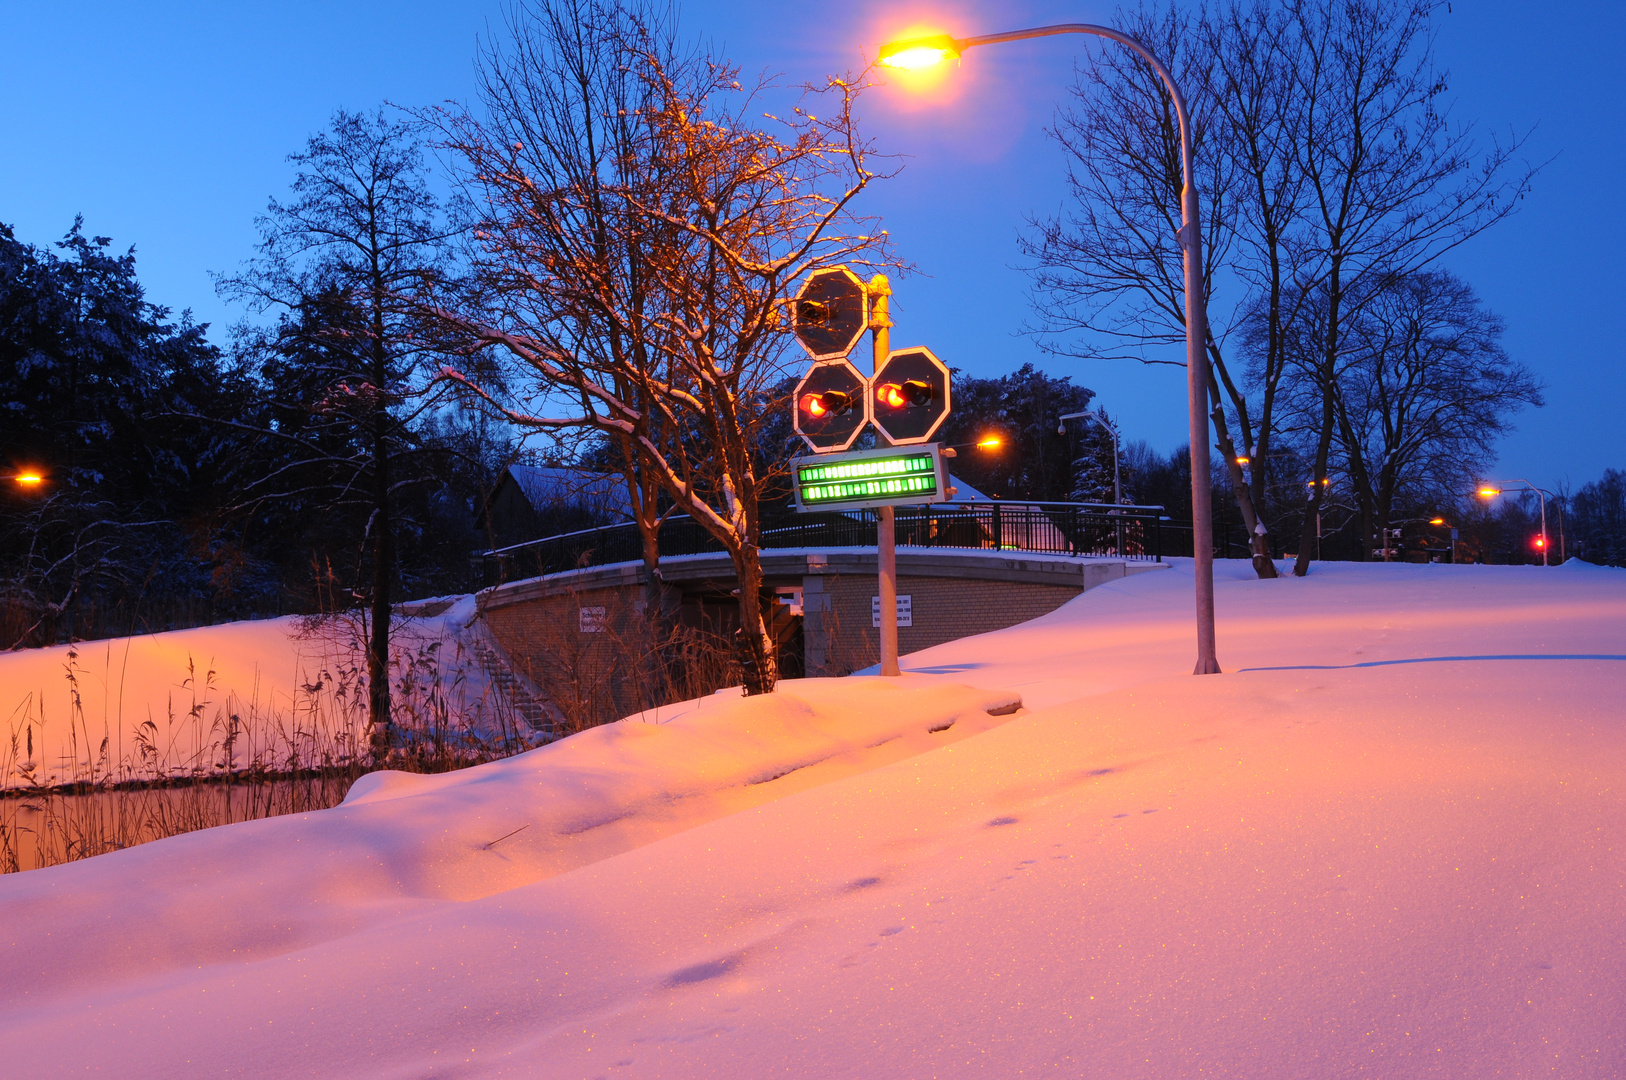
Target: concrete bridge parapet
[(950, 594)]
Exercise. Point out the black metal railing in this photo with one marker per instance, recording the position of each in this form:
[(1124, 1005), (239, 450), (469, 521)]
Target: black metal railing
[(1129, 532)]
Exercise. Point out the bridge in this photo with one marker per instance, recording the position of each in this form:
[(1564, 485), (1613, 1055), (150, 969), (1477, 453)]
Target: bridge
[(563, 608)]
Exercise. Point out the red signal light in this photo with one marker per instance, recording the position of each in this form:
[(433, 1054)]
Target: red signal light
[(913, 394), (1541, 541), (829, 403)]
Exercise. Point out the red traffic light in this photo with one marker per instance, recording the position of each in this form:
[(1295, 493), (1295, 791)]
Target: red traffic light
[(829, 403), (912, 394), (1541, 541), (831, 406)]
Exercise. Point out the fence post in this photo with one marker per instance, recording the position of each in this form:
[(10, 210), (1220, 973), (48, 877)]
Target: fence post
[(998, 530)]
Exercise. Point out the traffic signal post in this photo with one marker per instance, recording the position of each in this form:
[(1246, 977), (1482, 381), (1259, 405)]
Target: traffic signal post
[(886, 535), (905, 398)]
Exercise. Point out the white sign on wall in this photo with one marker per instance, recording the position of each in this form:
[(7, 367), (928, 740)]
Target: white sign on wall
[(906, 611), (590, 620)]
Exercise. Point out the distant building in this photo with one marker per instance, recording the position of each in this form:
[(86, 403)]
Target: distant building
[(531, 502)]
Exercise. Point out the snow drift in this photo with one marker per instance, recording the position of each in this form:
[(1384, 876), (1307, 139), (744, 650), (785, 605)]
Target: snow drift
[(1385, 843)]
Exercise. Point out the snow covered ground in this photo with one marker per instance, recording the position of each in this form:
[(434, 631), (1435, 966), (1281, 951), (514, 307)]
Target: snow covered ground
[(1390, 841)]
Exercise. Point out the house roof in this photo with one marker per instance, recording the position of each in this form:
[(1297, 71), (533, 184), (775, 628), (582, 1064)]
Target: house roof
[(553, 488)]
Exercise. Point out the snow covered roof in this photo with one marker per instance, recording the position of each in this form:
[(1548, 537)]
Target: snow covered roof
[(554, 488)]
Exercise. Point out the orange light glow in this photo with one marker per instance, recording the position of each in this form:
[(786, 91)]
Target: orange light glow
[(1541, 541), (913, 57), (812, 405), (989, 443), (1436, 521), (890, 395), (1242, 460), (916, 59), (29, 479), (1489, 492)]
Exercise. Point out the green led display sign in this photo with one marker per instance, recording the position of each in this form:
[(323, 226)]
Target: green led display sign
[(868, 478)]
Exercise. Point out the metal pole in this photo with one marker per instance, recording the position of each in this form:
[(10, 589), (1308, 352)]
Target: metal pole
[(886, 538), (1542, 495), (1191, 244)]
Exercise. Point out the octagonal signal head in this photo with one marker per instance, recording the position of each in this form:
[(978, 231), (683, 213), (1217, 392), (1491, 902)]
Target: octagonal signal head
[(830, 313), (831, 406), (911, 396)]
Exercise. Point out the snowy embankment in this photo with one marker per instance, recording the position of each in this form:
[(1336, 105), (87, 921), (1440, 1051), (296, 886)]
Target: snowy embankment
[(1387, 842), (94, 704)]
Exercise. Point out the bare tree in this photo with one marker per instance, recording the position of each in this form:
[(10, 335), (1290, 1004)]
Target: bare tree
[(1109, 279), (1325, 156), (339, 264), (1391, 184), (640, 230), (1428, 393)]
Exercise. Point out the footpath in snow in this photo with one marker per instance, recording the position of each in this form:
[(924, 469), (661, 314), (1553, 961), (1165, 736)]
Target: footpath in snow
[(1387, 842)]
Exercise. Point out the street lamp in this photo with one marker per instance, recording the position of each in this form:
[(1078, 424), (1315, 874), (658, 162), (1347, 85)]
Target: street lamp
[(1490, 491), (918, 53), (26, 479), (1442, 522), (1117, 485), (987, 442)]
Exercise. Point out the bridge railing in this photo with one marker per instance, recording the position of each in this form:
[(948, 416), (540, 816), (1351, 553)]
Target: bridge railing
[(1126, 532)]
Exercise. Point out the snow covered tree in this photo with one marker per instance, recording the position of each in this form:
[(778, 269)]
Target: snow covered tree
[(640, 229), (87, 366), (1034, 460), (1095, 471)]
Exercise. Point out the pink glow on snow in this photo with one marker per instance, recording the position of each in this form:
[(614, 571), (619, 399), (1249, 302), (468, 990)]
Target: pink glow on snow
[(1387, 842)]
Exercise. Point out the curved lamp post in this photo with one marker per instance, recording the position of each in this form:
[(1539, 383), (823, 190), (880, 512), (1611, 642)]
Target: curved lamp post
[(1490, 491), (924, 52)]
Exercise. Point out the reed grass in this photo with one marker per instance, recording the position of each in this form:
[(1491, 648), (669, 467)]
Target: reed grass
[(223, 758)]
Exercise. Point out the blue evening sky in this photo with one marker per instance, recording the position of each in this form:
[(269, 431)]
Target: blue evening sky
[(166, 124)]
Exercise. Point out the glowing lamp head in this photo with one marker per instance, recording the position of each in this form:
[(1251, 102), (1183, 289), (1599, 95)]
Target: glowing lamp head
[(1242, 460), (918, 54), (1489, 492), (1541, 541), (990, 442), (29, 479), (1436, 521)]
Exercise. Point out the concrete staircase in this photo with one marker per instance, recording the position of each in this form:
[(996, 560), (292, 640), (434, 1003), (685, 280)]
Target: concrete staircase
[(530, 705)]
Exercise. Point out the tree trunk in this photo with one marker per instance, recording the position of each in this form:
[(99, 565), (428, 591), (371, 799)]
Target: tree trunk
[(378, 648), (1258, 536), (1365, 494), (1318, 487), (755, 647)]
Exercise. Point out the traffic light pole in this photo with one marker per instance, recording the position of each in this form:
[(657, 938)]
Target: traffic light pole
[(886, 537)]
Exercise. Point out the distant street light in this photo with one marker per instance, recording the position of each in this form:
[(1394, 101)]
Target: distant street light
[(916, 54), (1117, 484), (26, 479), (1453, 528), (987, 442), (1490, 491)]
